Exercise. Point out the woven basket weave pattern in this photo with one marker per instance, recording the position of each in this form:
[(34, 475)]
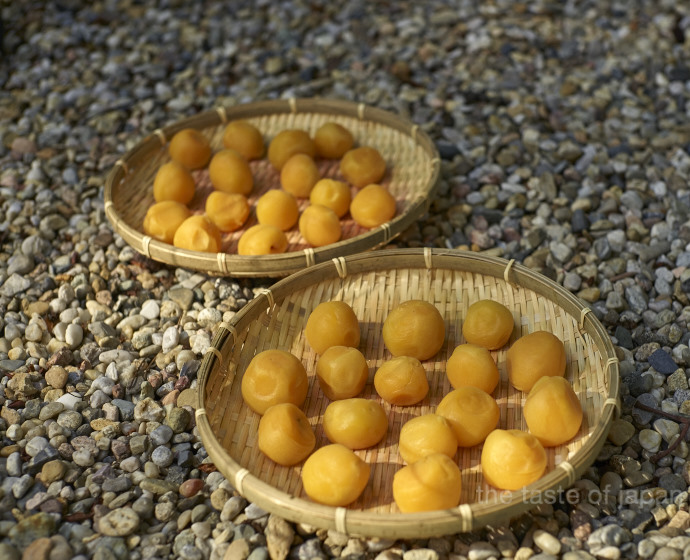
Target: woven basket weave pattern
[(373, 285), (412, 161)]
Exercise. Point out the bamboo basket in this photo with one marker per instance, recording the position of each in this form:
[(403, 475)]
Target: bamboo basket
[(412, 173), (373, 284)]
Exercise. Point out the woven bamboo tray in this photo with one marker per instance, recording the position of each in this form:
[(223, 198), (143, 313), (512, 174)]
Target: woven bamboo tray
[(411, 157), (373, 284)]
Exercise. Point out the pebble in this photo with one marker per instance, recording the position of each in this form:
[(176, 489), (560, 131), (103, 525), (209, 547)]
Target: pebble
[(120, 522)]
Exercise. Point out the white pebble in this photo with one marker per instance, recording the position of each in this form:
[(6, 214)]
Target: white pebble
[(150, 309), (171, 337), (33, 332), (74, 335)]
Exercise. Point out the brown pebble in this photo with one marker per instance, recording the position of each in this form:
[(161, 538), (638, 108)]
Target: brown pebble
[(171, 397), (56, 377), (191, 487), (38, 550)]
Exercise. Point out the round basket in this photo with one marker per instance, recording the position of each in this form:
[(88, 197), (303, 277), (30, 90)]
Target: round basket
[(412, 173), (373, 284)]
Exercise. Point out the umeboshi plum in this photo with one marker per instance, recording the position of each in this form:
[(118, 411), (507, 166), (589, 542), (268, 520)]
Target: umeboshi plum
[(414, 328), (286, 144), (245, 138), (319, 225), (173, 181), (272, 377), (163, 218), (512, 459), (372, 206), (401, 381), (471, 412), (285, 435), (342, 372), (298, 175), (533, 356), (431, 483), (332, 194), (198, 233), (229, 172), (334, 475), (488, 323), (262, 239), (229, 211), (332, 140), (277, 208), (470, 364), (552, 411), (425, 435), (362, 166), (332, 323), (356, 423), (190, 148)]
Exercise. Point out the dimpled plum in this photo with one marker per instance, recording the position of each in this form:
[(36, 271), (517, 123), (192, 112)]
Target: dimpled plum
[(190, 148), (173, 181), (229, 172), (356, 423), (342, 372), (488, 323), (425, 435), (401, 381), (229, 211), (274, 377), (319, 226), (414, 328), (262, 239), (433, 482), (298, 175), (512, 459), (277, 208), (372, 206), (533, 356), (552, 411), (285, 435), (362, 166), (198, 233), (334, 475), (245, 138), (332, 194), (332, 323), (163, 218), (471, 412), (332, 140), (470, 364), (286, 144)]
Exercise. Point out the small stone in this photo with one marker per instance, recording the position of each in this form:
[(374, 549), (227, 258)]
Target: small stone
[(38, 550), (650, 440), (31, 528), (52, 471), (547, 542), (677, 381), (644, 416), (481, 550), (620, 432), (681, 520), (662, 362), (120, 522), (178, 419), (56, 377), (191, 487)]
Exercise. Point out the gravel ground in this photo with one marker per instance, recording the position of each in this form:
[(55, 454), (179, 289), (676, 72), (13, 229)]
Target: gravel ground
[(565, 138)]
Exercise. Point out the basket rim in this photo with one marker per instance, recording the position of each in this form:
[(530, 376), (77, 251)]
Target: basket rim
[(279, 265), (466, 517)]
